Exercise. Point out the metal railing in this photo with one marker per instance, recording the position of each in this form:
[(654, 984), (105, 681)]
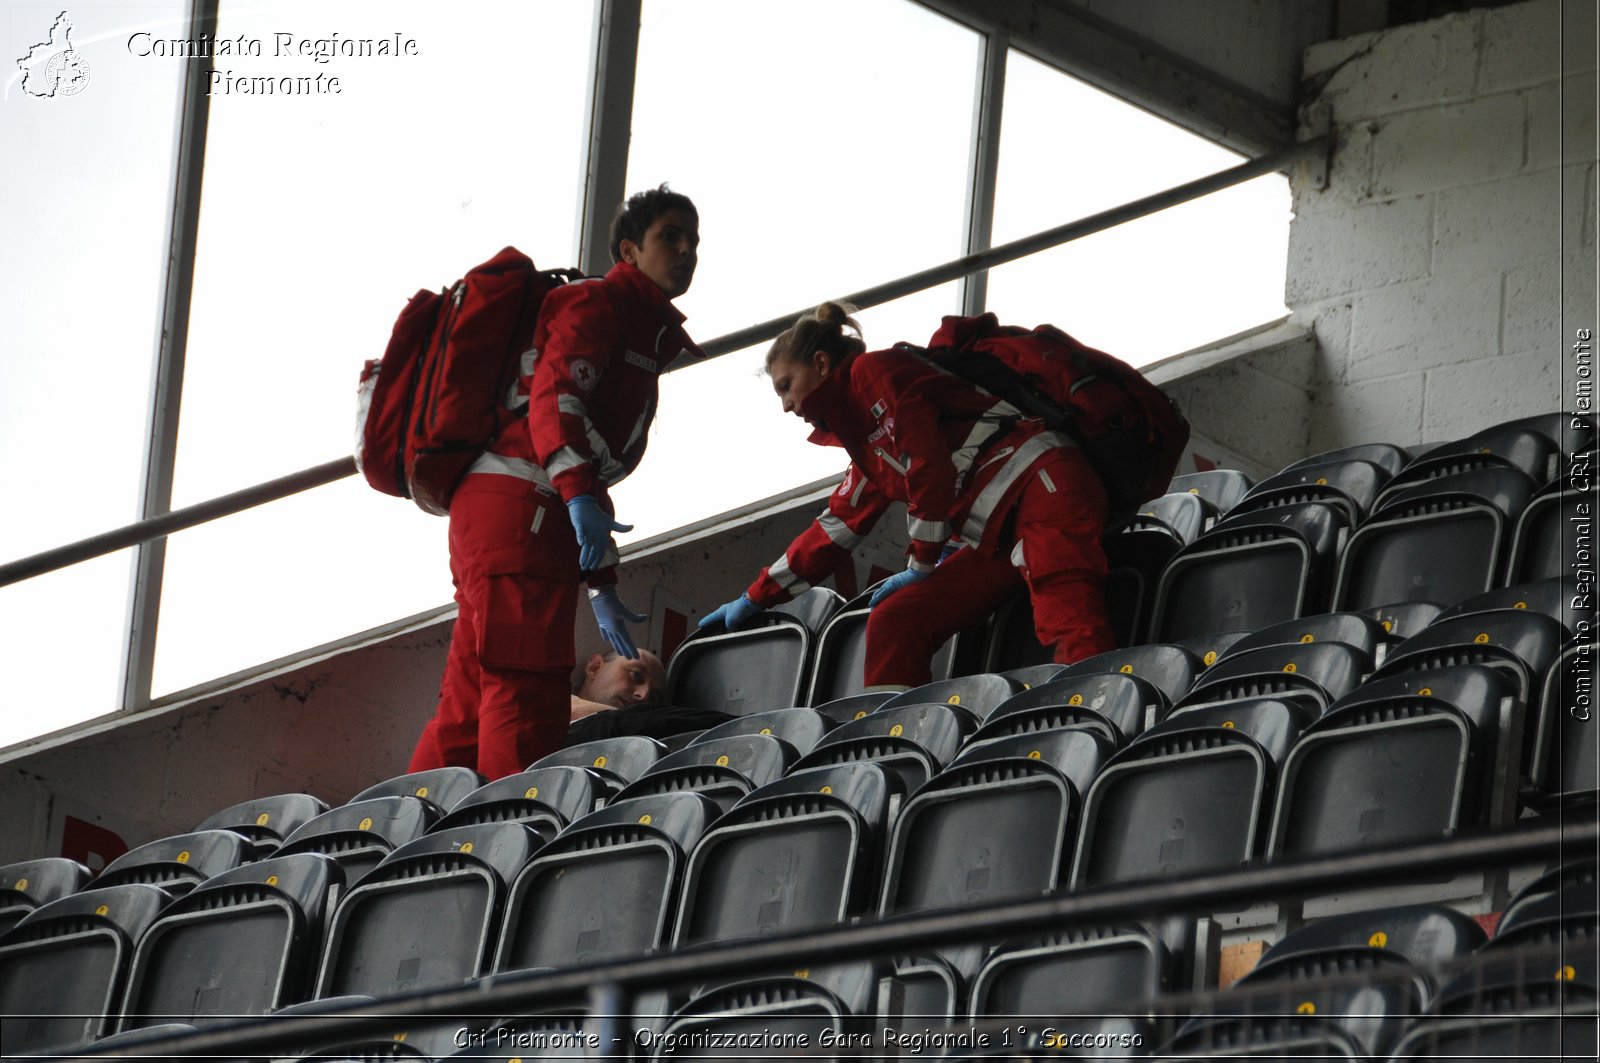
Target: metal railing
[(189, 516)]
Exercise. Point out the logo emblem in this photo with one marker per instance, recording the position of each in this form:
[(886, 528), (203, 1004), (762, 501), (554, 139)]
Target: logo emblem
[(878, 410), (54, 67), (584, 375)]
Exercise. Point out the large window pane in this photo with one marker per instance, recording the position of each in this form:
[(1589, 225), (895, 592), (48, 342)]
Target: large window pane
[(826, 147), (282, 578), (61, 636), (1154, 287), (322, 213), (80, 273)]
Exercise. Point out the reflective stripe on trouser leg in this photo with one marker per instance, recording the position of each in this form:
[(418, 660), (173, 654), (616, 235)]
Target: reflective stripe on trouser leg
[(907, 628), (1060, 518)]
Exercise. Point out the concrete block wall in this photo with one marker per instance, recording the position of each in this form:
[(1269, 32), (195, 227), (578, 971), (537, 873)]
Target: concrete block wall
[(1448, 265)]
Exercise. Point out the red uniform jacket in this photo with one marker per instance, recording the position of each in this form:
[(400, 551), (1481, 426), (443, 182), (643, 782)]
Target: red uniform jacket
[(590, 383), (955, 454)]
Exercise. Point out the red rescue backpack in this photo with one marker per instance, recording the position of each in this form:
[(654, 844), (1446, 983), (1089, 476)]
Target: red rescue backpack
[(1128, 428), (446, 384)]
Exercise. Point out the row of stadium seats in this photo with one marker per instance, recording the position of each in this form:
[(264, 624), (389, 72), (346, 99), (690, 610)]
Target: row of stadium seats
[(1243, 737)]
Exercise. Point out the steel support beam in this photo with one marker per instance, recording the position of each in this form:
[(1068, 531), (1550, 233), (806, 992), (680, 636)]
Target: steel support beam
[(614, 61), (1135, 69), (983, 168), (166, 387)]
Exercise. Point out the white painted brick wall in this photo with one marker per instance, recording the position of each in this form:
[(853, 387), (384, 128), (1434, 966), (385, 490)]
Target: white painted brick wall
[(1452, 253)]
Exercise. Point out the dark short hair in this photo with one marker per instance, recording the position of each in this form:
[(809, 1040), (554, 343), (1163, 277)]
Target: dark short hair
[(634, 217)]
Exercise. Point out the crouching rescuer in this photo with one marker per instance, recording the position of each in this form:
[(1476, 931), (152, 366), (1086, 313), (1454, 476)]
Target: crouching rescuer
[(531, 522), (996, 498)]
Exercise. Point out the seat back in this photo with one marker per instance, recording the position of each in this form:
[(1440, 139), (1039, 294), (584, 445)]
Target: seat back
[(1441, 539), (1223, 488), (1322, 671), (266, 821), (1192, 793), (1171, 668), (441, 786), (27, 884), (613, 876), (913, 742), (766, 665), (1250, 570), (243, 943), (360, 834), (1353, 629), (978, 694), (1123, 702), (801, 728), (427, 915), (724, 769), (546, 799), (1352, 484), (841, 656), (178, 863), (62, 967), (800, 852)]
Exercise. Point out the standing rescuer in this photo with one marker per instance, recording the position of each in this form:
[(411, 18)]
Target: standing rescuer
[(1025, 503), (532, 520)]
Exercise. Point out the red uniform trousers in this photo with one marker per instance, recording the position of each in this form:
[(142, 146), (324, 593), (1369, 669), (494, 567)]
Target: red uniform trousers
[(1052, 547), (505, 699)]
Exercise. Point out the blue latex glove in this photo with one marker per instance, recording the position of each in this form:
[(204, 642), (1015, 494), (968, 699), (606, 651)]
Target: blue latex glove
[(613, 617), (735, 614), (594, 527), (896, 582)]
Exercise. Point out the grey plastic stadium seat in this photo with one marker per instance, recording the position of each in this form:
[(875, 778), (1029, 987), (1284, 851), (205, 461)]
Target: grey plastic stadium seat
[(1171, 668), (801, 728), (1222, 488), (1543, 538), (1430, 937), (1119, 704), (1401, 620), (1553, 597), (1085, 971), (427, 915), (1405, 758), (772, 1011), (1528, 451), (1353, 629), (843, 710), (1317, 672), (179, 863), (1195, 792), (546, 799), (802, 852), (1571, 433), (441, 786), (912, 742), (1565, 761), (266, 821), (1519, 642), (1000, 822), (1441, 539), (765, 665), (244, 942), (1208, 649), (27, 884), (1034, 674), (1350, 484), (921, 991), (724, 769), (1250, 570), (978, 694), (841, 655), (1386, 456), (613, 877), (63, 966), (615, 761), (360, 834)]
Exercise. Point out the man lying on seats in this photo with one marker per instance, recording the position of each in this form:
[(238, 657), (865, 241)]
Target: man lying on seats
[(612, 695), (1024, 503)]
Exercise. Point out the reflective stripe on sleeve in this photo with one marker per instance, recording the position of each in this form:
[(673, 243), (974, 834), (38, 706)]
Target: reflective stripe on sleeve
[(781, 574), (927, 530), (838, 531), (565, 460)]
